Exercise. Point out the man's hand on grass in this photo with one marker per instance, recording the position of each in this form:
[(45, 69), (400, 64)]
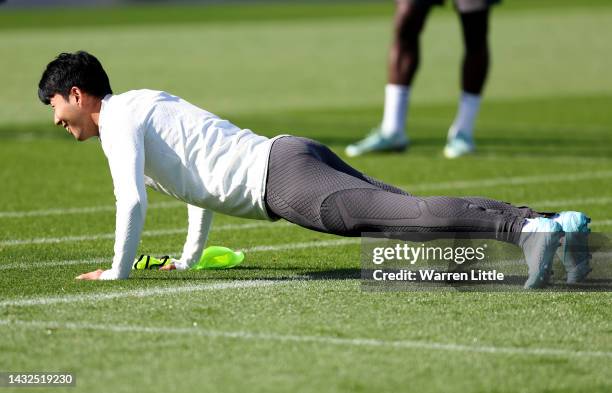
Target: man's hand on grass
[(168, 267), (95, 275)]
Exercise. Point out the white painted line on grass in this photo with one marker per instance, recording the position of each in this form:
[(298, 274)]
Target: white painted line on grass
[(297, 246), (436, 121), (570, 202), (303, 339), (153, 233), (509, 181), (517, 180), (601, 223), (49, 264), (82, 210), (273, 247), (144, 292)]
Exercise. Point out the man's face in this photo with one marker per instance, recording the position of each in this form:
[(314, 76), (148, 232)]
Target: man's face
[(74, 115)]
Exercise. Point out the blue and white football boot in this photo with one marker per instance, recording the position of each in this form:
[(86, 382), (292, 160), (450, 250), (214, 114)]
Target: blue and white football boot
[(376, 142), (574, 252), (459, 145), (539, 240)]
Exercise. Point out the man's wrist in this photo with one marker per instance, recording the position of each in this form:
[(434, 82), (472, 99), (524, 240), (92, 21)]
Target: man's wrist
[(109, 275), (180, 264)]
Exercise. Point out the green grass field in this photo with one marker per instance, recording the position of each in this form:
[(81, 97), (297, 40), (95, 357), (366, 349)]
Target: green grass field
[(293, 317)]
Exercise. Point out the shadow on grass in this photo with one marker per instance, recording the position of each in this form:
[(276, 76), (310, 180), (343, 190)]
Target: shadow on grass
[(511, 282)]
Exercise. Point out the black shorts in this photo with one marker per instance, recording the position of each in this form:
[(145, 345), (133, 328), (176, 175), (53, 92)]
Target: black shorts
[(462, 6)]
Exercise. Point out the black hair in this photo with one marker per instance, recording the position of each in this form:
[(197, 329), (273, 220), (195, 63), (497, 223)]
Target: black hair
[(80, 69)]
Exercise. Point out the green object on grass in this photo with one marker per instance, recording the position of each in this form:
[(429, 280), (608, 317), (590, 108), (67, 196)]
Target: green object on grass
[(148, 262), (216, 257)]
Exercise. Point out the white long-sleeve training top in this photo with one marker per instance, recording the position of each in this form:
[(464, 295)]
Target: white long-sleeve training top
[(156, 139)]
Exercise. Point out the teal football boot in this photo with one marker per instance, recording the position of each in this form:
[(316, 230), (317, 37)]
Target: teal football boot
[(376, 142), (459, 145), (540, 239), (574, 252)]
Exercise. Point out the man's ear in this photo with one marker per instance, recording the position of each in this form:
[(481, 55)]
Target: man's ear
[(77, 94)]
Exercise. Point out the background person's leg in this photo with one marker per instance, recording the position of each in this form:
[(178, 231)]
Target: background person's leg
[(404, 57), (475, 67), (474, 15)]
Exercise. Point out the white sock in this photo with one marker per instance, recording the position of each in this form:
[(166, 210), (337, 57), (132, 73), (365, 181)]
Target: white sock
[(396, 109), (530, 225), (469, 105)]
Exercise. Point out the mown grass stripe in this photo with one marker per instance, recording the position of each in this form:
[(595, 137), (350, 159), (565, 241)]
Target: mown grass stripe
[(232, 227), (275, 247), (571, 202), (518, 180), (82, 210), (152, 233), (146, 292), (510, 181), (306, 339)]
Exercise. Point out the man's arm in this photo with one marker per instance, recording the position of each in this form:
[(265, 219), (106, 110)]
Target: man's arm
[(126, 160), (200, 221)]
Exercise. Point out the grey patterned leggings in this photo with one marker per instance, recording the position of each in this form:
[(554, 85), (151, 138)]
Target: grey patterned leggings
[(311, 186)]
